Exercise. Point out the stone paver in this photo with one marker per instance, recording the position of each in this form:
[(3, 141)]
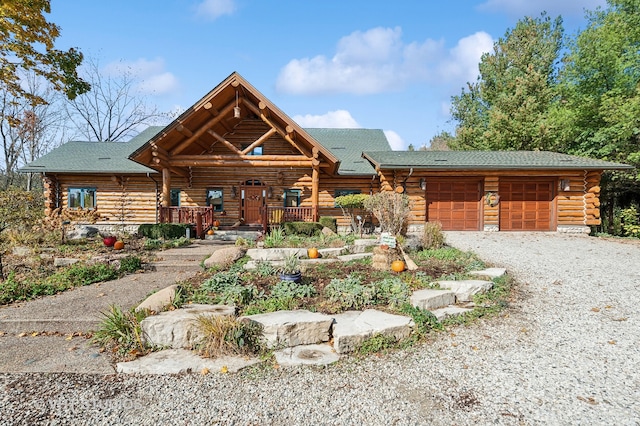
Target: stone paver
[(466, 289), (432, 299), (175, 361), (292, 328), (306, 355), (353, 327)]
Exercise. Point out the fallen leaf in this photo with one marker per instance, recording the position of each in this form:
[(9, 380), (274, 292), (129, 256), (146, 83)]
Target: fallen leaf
[(612, 342), (72, 348), (100, 294), (475, 348), (595, 309), (69, 337), (34, 334), (620, 319), (205, 371), (224, 369), (454, 344), (608, 307), (588, 400), (452, 334), (22, 334), (276, 366), (523, 330)]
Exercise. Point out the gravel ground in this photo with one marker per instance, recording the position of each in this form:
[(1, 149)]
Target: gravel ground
[(566, 352)]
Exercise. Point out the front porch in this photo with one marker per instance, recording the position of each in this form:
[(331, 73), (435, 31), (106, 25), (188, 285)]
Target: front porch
[(204, 218)]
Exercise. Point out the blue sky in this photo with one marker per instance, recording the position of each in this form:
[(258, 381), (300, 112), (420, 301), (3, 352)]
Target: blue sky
[(373, 64)]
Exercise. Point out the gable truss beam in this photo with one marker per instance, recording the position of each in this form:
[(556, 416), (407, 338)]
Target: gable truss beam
[(259, 141), (280, 131), (212, 122), (224, 142)]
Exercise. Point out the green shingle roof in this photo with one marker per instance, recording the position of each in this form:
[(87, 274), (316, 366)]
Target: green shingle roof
[(94, 157), (483, 160), (348, 145)]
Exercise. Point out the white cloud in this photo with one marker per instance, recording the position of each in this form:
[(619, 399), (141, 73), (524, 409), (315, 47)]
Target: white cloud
[(333, 119), (153, 77), (395, 141), (519, 8), (377, 61), (213, 9), (461, 62)]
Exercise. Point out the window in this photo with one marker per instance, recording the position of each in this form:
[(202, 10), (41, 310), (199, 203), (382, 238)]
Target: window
[(292, 198), (214, 198), (341, 192), (175, 198), (255, 151), (84, 198)]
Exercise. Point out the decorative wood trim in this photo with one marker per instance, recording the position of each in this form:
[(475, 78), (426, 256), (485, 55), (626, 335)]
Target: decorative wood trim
[(224, 141), (259, 141), (184, 144)]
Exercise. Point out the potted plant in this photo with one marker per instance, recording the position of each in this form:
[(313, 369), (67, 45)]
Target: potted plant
[(290, 270)]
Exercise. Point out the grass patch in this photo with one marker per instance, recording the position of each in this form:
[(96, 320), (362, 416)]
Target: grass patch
[(121, 332), (224, 335)]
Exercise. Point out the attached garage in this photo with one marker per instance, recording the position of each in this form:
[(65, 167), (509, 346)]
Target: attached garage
[(495, 190), (455, 203), (527, 204)]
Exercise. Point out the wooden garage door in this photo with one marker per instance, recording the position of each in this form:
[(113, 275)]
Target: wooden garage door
[(526, 205), (455, 203)]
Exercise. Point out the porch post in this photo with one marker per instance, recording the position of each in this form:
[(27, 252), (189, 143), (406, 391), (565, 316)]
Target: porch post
[(315, 180), (166, 188)]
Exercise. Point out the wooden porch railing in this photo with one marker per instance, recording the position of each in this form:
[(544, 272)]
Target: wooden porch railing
[(201, 217), (278, 215)]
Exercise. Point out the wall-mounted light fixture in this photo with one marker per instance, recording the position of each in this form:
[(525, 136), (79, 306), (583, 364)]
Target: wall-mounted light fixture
[(565, 185), (423, 184)]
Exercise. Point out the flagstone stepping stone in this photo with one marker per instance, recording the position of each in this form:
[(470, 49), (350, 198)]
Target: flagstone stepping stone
[(174, 361), (466, 289), (178, 329), (449, 311), (332, 251), (490, 273), (292, 328), (306, 355), (275, 253), (355, 256), (432, 299), (351, 328), (361, 245)]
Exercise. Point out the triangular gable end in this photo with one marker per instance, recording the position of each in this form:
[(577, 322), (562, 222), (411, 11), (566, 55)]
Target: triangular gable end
[(203, 136)]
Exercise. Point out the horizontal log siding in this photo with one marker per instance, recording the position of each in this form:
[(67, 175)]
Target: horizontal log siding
[(491, 213), (139, 197)]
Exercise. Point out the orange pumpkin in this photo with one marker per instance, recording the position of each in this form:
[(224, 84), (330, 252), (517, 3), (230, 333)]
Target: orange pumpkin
[(216, 223), (118, 245), (397, 266), (313, 253), (210, 232)]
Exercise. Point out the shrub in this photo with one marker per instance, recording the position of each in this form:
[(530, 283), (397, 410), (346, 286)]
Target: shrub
[(391, 209), (392, 291), (629, 222), (375, 344), (329, 222), (349, 292), (292, 290), (424, 320), (130, 264), (271, 304), (121, 331), (350, 204), (275, 237), (432, 236), (224, 335), (302, 228), (228, 288), (166, 231)]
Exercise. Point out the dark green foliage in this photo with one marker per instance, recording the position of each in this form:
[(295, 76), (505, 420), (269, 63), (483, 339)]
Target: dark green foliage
[(130, 264), (302, 228), (165, 231), (329, 222), (120, 330), (424, 320)]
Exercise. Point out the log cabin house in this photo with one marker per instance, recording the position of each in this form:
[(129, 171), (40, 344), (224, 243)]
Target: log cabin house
[(236, 159)]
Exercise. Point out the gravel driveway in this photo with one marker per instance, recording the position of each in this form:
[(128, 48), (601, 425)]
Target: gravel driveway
[(566, 352)]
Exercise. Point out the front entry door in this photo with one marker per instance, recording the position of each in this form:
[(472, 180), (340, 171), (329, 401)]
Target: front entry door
[(253, 194)]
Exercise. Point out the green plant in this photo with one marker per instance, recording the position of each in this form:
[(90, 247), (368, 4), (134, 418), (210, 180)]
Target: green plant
[(274, 238), (391, 291), (292, 290), (375, 344), (166, 231), (228, 288), (130, 264), (349, 292), (291, 264), (120, 330), (391, 209), (329, 222), (432, 236), (350, 205), (224, 335), (270, 304), (302, 228), (629, 222), (424, 320), (264, 268)]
